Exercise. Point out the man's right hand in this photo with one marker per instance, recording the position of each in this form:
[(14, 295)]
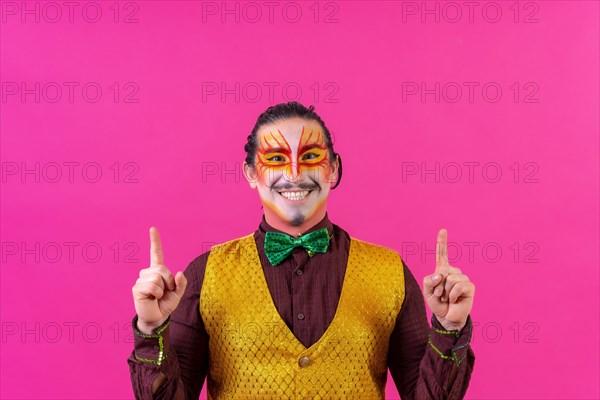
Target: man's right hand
[(156, 293)]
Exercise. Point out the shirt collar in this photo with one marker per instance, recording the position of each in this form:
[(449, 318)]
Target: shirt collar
[(324, 223)]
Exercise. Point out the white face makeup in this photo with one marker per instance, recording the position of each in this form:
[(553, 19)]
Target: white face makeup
[(294, 173)]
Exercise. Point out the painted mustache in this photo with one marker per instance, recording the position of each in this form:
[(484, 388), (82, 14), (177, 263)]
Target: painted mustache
[(290, 188)]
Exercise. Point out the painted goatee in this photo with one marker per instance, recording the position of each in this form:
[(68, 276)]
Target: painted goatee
[(298, 220)]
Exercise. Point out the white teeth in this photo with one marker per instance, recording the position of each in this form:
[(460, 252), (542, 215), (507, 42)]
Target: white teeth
[(295, 195)]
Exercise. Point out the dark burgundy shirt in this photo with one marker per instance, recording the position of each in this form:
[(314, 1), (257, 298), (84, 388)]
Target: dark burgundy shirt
[(425, 362)]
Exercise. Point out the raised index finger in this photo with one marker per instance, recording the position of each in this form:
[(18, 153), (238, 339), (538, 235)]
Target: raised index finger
[(156, 253), (441, 250)]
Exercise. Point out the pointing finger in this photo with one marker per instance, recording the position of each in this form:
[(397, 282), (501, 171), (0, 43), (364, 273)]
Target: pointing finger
[(156, 253), (441, 250)]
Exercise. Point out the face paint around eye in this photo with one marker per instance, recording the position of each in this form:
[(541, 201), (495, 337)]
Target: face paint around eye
[(277, 158), (313, 156)]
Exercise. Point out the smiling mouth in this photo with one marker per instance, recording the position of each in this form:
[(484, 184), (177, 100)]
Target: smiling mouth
[(296, 195)]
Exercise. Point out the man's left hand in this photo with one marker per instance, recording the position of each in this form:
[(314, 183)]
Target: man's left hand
[(448, 292)]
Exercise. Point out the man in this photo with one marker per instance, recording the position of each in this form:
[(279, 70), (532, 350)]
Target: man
[(299, 309)]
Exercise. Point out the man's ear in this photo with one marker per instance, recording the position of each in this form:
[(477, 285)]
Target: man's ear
[(250, 174), (335, 168)]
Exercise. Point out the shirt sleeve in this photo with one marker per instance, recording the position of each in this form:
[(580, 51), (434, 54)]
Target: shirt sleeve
[(177, 351), (428, 362)]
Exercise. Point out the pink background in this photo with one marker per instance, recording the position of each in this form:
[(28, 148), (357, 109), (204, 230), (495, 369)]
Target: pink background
[(66, 320)]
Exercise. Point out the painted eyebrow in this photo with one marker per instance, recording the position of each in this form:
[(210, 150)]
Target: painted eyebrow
[(276, 150), (304, 148), (310, 147)]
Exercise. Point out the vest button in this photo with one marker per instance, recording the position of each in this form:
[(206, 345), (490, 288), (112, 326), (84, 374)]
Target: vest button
[(298, 272), (304, 361), (300, 316)]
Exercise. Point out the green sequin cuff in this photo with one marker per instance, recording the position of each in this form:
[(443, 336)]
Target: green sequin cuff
[(451, 345), (150, 348), (443, 332)]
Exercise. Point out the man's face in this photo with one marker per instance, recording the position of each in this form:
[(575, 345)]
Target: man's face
[(294, 172)]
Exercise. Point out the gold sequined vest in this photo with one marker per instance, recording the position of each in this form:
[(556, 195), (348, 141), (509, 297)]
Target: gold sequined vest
[(254, 355)]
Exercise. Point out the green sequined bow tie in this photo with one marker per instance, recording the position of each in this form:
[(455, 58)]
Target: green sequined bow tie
[(280, 245)]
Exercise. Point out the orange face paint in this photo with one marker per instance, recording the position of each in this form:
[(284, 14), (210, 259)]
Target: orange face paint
[(275, 154), (292, 156)]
